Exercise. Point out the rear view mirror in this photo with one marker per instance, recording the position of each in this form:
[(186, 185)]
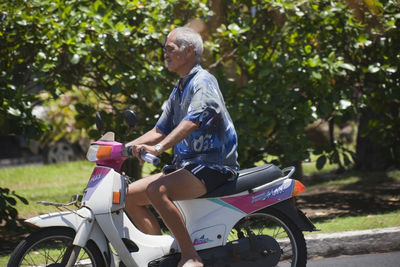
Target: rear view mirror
[(130, 118), (99, 122)]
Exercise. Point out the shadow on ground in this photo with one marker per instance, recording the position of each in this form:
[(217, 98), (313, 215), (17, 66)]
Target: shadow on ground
[(366, 194)]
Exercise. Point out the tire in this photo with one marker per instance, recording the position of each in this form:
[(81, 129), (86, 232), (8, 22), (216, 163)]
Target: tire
[(275, 224), (48, 246)]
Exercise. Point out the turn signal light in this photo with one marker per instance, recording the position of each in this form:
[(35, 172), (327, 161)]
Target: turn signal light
[(116, 198), (298, 188), (103, 152), (97, 152)]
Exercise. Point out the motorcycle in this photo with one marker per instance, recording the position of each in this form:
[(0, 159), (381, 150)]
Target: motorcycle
[(252, 220)]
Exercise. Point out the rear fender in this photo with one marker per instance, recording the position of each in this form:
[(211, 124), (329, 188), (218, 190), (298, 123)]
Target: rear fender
[(288, 207), (71, 220)]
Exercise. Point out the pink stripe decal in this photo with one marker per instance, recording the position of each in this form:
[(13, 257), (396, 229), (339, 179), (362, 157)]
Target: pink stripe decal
[(256, 201)]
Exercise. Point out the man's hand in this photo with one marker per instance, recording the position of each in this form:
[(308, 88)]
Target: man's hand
[(138, 149)]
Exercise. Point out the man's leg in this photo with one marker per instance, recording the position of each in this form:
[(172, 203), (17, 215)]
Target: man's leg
[(136, 202), (179, 185)]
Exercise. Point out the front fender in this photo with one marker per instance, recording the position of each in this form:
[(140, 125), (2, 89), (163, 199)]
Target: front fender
[(72, 220)]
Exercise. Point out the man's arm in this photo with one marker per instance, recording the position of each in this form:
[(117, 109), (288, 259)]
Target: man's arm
[(152, 137), (183, 130)]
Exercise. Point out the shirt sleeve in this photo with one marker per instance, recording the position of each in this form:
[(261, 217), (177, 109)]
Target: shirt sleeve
[(204, 105), (164, 123)]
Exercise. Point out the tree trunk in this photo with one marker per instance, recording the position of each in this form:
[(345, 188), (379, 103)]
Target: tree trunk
[(372, 153)]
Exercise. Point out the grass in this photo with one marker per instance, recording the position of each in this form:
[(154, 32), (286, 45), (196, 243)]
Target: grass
[(360, 222), (56, 183)]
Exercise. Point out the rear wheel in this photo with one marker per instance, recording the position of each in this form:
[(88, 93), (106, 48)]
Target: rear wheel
[(52, 247), (274, 224)]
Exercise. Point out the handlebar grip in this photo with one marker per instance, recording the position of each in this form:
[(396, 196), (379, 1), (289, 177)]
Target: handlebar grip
[(128, 151), (145, 156), (150, 158)]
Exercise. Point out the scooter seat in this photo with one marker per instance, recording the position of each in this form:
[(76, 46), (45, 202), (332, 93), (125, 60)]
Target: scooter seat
[(247, 180)]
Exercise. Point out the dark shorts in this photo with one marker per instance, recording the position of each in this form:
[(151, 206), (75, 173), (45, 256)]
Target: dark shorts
[(209, 177)]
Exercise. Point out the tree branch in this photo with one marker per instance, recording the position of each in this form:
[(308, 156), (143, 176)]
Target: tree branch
[(226, 56)]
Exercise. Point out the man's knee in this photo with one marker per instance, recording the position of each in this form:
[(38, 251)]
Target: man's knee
[(135, 197), (155, 191)]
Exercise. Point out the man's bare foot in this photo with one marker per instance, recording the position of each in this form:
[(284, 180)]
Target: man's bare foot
[(190, 262)]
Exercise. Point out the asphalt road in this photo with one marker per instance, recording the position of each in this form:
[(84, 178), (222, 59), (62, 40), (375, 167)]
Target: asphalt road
[(391, 259)]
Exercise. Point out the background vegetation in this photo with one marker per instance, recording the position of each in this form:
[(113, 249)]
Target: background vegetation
[(281, 65)]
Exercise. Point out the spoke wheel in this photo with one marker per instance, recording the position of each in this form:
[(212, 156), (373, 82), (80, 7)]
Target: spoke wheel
[(284, 231), (51, 247)]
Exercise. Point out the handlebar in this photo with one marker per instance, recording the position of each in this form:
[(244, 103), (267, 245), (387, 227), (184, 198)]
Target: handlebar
[(149, 158), (145, 156)]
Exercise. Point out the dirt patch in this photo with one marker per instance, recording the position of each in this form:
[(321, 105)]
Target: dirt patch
[(368, 195)]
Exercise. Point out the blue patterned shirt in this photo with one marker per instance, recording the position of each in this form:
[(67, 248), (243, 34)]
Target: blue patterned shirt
[(214, 142)]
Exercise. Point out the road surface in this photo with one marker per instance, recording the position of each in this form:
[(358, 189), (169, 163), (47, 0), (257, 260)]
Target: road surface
[(391, 259)]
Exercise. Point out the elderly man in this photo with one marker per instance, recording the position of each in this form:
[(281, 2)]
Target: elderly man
[(196, 123)]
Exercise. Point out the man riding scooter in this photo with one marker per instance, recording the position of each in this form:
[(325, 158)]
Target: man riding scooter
[(197, 124)]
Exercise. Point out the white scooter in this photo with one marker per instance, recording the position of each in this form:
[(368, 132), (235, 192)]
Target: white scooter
[(252, 221)]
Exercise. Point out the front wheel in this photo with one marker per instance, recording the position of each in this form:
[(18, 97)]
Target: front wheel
[(52, 247), (276, 225)]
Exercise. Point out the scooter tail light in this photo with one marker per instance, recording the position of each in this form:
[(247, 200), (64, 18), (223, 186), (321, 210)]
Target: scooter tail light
[(298, 188)]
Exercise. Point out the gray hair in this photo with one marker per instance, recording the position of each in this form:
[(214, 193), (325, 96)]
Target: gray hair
[(185, 36)]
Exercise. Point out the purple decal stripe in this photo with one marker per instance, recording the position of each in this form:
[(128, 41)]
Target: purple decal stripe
[(97, 175), (256, 201)]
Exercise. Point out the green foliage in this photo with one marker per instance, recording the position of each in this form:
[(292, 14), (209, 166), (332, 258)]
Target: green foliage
[(289, 63), (8, 213), (281, 65), (110, 47)]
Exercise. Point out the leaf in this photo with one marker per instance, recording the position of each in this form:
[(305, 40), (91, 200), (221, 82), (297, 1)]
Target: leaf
[(75, 59), (11, 200), (316, 75), (321, 161), (23, 200), (348, 66), (308, 49), (373, 68), (120, 27), (234, 28)]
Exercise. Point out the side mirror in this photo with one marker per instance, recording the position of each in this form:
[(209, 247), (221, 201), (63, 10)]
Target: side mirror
[(99, 122), (130, 118)]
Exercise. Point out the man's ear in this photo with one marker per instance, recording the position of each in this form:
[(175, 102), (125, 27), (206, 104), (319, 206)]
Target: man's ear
[(190, 50)]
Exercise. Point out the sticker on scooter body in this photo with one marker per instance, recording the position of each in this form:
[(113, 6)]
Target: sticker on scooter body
[(256, 201), (97, 175), (201, 240)]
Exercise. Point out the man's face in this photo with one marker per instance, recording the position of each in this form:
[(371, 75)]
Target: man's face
[(175, 58)]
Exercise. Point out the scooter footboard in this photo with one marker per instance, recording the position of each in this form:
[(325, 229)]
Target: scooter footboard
[(71, 220)]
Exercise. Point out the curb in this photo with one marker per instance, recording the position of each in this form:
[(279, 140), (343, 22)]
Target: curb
[(353, 242)]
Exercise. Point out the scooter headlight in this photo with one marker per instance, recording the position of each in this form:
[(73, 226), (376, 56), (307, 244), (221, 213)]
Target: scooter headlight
[(97, 152)]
